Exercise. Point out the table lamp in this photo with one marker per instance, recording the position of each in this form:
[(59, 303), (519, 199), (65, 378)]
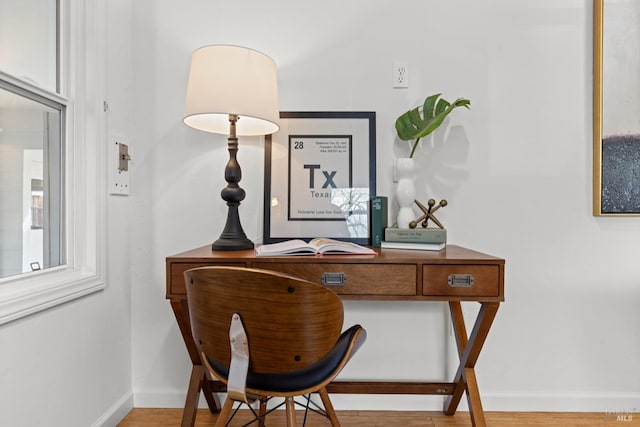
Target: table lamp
[(232, 90)]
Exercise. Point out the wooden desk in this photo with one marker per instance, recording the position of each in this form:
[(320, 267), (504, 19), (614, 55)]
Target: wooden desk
[(453, 275)]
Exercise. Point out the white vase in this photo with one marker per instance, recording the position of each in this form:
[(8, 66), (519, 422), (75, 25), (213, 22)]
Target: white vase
[(405, 191)]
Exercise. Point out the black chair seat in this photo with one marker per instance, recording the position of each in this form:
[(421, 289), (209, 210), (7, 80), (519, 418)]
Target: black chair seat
[(300, 379)]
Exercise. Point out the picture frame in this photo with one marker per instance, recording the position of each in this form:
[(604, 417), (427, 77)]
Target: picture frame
[(616, 108), (319, 176)]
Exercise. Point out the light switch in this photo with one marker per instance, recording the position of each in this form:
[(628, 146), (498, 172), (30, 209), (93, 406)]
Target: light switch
[(119, 158), (123, 157)]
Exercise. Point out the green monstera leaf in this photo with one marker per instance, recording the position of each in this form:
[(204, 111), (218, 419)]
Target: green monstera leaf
[(413, 125)]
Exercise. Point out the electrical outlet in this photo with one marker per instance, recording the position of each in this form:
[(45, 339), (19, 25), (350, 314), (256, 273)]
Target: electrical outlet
[(400, 74)]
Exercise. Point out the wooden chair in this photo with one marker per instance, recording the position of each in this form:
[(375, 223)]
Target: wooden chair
[(284, 333)]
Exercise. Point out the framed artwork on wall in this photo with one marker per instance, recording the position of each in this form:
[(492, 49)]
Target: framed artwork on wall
[(320, 173), (616, 108)]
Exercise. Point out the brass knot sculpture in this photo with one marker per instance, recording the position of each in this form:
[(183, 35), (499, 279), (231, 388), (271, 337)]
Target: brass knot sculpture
[(428, 213)]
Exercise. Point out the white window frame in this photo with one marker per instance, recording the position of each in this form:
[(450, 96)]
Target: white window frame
[(82, 68)]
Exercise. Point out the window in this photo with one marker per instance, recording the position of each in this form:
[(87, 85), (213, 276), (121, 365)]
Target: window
[(31, 136), (51, 131), (31, 173)]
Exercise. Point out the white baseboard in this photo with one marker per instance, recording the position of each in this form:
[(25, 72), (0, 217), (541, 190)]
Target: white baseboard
[(561, 402), (507, 402), (116, 413), (162, 400)]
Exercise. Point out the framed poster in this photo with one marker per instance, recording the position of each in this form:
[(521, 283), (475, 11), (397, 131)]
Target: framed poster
[(320, 173), (616, 108)]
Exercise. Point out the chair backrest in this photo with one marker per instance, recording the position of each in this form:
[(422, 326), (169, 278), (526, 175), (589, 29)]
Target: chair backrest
[(290, 322)]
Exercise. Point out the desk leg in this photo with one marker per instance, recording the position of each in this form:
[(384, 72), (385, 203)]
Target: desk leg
[(468, 351), (198, 380), (212, 399), (193, 395)]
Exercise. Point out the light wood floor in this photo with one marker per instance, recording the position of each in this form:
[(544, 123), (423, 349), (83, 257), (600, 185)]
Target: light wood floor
[(172, 417)]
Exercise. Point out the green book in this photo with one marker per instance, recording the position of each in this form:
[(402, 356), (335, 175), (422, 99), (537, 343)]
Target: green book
[(378, 219), (416, 235)]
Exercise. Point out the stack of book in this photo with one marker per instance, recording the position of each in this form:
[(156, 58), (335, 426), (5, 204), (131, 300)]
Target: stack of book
[(424, 239)]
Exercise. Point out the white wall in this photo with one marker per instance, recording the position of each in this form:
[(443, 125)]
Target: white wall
[(516, 171), (70, 366)]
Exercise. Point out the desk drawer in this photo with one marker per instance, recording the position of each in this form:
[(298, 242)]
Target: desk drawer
[(360, 279), (461, 280), (176, 276)]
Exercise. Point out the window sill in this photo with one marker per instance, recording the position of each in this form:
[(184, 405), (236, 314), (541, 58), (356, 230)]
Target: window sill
[(23, 296)]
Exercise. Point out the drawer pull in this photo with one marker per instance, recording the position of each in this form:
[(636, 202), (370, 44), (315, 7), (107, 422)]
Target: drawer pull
[(334, 279), (460, 280)]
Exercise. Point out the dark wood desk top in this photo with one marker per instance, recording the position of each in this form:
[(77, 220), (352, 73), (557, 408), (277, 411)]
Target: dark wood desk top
[(452, 254)]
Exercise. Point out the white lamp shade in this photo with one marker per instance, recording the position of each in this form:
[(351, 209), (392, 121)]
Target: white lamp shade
[(236, 80)]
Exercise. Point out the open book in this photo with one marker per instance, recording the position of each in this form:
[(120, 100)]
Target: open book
[(315, 246)]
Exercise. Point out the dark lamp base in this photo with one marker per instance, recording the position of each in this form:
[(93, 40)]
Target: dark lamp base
[(232, 244), (232, 237)]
